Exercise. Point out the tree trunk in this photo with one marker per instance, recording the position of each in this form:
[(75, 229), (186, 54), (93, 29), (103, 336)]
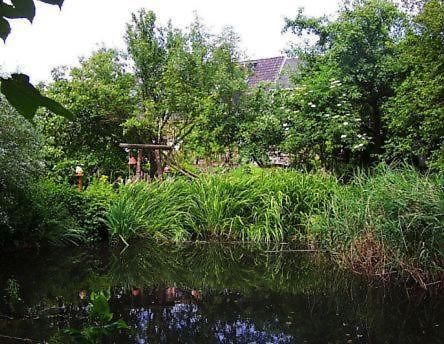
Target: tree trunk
[(376, 128)]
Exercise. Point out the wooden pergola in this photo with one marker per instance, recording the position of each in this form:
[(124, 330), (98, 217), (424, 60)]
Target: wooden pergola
[(152, 148)]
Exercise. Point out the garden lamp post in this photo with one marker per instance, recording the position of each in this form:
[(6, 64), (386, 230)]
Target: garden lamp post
[(79, 174)]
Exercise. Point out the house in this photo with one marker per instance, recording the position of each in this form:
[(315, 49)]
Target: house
[(274, 70)]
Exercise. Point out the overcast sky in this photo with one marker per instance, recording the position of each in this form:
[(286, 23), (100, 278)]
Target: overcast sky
[(60, 37)]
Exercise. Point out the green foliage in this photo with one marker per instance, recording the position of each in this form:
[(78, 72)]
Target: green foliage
[(154, 209), (391, 221), (99, 93), (58, 208), (368, 87), (99, 319), (66, 215), (20, 161), (346, 77), (12, 290), (98, 197), (265, 123), (126, 216), (262, 206), (415, 115), (187, 83), (12, 294)]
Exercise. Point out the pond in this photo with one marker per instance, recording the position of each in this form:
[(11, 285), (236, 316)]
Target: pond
[(209, 293)]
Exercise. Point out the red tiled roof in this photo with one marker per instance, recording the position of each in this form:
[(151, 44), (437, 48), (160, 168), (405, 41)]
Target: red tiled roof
[(265, 70)]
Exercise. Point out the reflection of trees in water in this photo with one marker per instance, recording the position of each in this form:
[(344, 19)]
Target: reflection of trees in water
[(165, 324), (245, 331), (185, 321)]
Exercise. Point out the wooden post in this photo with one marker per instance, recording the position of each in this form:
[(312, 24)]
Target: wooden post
[(158, 163), (79, 174), (139, 164), (80, 182)]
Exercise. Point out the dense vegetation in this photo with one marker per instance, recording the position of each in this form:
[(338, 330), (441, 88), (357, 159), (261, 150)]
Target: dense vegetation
[(368, 93)]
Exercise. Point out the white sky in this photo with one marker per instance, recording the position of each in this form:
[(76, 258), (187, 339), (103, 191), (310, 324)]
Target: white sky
[(60, 37)]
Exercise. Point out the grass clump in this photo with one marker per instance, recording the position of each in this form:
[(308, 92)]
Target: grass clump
[(390, 221), (154, 209), (257, 205)]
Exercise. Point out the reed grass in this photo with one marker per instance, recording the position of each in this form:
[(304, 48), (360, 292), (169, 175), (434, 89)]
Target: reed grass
[(379, 223)]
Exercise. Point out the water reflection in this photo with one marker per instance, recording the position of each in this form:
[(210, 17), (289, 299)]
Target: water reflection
[(210, 294), (182, 318)]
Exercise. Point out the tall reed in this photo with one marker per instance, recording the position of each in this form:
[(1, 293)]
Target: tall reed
[(391, 220)]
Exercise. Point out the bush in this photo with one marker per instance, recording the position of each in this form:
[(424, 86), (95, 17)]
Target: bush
[(20, 162), (66, 215), (58, 208), (98, 197)]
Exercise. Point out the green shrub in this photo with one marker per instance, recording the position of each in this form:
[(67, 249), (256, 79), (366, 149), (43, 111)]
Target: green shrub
[(63, 214), (98, 197), (58, 208)]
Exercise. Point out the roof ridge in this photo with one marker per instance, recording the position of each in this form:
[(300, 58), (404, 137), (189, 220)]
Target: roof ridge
[(267, 58)]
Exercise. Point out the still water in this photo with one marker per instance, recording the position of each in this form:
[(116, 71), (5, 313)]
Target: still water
[(209, 293)]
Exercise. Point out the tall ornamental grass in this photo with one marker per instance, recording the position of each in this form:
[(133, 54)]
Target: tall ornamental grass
[(391, 220), (249, 206), (385, 222)]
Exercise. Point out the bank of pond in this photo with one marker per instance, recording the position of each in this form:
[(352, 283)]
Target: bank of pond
[(385, 224), (204, 293)]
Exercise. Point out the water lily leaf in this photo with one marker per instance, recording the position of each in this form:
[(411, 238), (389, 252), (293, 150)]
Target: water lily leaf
[(26, 99), (5, 29)]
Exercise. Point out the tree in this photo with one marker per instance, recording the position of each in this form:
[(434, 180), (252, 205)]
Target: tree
[(20, 160), (187, 83), (346, 77), (265, 123), (100, 94), (415, 114), (219, 124)]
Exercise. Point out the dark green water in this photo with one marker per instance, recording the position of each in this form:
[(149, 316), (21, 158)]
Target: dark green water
[(207, 293)]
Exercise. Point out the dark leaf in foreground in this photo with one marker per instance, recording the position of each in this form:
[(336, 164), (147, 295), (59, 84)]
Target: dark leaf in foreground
[(24, 9), (54, 2), (26, 99), (5, 29)]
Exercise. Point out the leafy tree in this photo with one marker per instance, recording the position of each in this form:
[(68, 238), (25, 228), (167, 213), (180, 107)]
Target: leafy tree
[(188, 82), (265, 122), (415, 115), (218, 126), (100, 95), (346, 78), (324, 124)]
